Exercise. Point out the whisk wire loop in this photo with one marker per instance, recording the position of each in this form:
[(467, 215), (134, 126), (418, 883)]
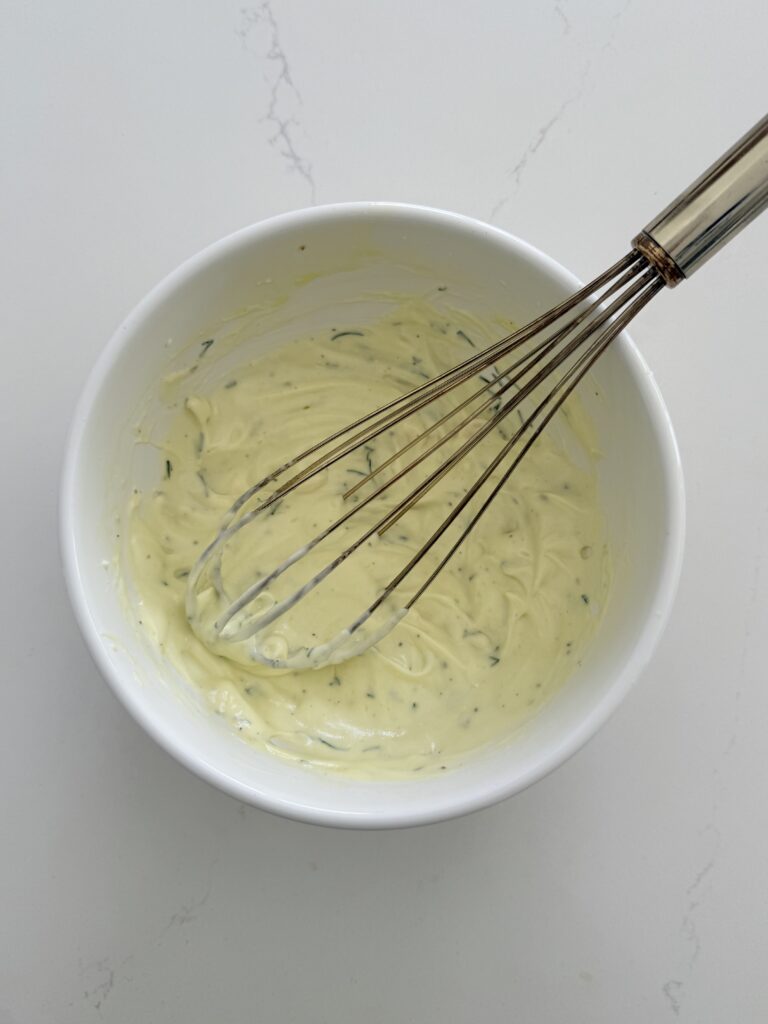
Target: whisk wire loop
[(581, 339)]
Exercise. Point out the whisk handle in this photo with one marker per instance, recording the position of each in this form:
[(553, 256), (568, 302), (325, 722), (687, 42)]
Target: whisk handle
[(730, 194)]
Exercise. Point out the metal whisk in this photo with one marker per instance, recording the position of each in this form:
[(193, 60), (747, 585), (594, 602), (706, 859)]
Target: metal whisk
[(540, 364)]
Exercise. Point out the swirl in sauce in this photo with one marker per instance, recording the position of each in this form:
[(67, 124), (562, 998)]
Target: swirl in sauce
[(491, 640)]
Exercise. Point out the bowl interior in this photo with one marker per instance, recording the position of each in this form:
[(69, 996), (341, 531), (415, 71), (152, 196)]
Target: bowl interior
[(295, 273)]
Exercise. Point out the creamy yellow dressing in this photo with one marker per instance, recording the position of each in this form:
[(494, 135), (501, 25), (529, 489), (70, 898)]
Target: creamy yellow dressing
[(495, 635)]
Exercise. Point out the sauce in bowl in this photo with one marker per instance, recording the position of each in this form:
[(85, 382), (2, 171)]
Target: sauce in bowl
[(496, 634)]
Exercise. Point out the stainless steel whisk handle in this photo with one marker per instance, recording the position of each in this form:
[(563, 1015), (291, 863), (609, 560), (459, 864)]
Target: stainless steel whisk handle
[(696, 225)]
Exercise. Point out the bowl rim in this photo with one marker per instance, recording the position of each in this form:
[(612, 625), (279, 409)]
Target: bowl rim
[(492, 791)]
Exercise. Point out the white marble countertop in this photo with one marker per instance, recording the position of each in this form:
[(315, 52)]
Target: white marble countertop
[(630, 885)]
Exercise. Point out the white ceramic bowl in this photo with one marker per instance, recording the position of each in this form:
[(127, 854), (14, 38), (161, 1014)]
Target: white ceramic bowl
[(356, 248)]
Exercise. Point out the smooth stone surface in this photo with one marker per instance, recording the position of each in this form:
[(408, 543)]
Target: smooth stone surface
[(630, 885)]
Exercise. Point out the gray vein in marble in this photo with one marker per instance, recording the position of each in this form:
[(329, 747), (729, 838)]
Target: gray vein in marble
[(190, 912), (696, 890), (615, 19), (105, 974), (539, 138), (560, 13), (101, 976), (693, 887), (674, 989), (99, 994), (541, 135), (689, 930), (671, 990), (259, 35)]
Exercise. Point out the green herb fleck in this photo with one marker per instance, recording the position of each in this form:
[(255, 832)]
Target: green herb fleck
[(168, 469), (493, 660), (585, 598), (206, 345), (346, 334), (466, 337), (335, 681), (327, 743), (230, 384), (181, 574)]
